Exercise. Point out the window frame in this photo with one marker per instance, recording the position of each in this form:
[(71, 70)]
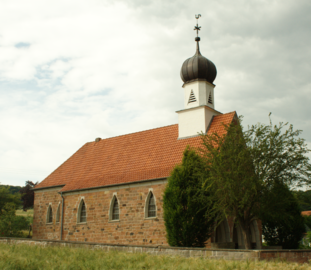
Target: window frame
[(49, 214), (82, 201), (147, 205), (111, 208), (57, 217)]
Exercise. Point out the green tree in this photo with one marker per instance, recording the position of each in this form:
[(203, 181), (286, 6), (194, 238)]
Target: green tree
[(307, 220), (232, 182), (279, 155), (244, 165), (185, 203), (7, 197), (304, 199), (27, 195), (282, 225), (10, 224), (12, 189)]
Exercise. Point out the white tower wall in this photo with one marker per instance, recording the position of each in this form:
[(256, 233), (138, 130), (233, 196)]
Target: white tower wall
[(201, 90), (198, 114)]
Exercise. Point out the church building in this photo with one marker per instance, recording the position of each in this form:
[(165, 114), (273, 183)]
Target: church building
[(110, 190)]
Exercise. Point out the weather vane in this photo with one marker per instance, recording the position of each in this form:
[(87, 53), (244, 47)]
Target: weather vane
[(197, 27)]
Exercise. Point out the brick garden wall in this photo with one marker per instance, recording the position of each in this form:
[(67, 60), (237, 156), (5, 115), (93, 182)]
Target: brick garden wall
[(301, 256), (132, 227)]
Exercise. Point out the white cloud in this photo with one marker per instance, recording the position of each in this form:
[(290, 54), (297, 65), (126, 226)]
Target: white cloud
[(71, 71)]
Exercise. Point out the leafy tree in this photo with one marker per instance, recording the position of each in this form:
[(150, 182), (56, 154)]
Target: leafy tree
[(307, 220), (27, 195), (232, 182), (7, 197), (304, 199), (279, 156), (185, 203), (10, 224), (243, 165), (12, 189), (285, 229)]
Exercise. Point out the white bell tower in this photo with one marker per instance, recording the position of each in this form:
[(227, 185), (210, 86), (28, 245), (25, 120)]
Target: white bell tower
[(198, 74)]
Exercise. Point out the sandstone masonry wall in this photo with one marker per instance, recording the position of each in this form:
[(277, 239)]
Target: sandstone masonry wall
[(132, 227)]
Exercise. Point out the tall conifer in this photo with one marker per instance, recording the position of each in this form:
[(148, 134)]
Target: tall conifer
[(185, 203)]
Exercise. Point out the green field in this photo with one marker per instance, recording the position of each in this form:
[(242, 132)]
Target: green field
[(35, 257), (28, 213)]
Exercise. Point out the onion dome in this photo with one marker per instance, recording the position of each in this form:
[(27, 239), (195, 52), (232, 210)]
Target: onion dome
[(198, 68)]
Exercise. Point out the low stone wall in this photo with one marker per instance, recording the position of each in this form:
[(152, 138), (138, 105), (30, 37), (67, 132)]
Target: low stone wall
[(300, 256)]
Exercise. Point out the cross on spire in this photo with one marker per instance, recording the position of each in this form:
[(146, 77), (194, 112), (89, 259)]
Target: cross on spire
[(197, 27)]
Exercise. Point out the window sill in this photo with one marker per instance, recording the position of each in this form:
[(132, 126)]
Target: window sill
[(116, 220), (49, 223), (81, 223), (151, 218)]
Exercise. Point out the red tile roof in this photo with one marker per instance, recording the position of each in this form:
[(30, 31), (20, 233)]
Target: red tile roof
[(306, 213), (128, 158)]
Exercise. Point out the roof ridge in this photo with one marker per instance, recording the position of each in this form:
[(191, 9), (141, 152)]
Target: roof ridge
[(135, 132), (226, 113)]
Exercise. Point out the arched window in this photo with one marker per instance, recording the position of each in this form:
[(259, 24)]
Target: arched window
[(58, 213), (114, 209), (150, 208), (82, 212), (49, 217)]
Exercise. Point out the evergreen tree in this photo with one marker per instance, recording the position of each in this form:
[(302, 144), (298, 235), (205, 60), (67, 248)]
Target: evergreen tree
[(185, 203)]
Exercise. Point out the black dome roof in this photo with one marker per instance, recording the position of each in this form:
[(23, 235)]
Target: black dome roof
[(198, 67)]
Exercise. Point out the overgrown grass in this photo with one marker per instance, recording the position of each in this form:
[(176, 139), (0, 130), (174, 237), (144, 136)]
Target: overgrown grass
[(34, 257)]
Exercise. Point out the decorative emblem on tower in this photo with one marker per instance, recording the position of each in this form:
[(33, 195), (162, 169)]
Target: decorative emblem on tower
[(197, 27)]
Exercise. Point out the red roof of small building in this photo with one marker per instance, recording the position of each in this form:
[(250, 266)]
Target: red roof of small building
[(306, 213), (144, 155)]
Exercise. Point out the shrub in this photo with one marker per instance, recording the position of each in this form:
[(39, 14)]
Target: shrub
[(185, 203), (10, 224)]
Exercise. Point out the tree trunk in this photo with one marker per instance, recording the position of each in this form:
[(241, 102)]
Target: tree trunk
[(246, 232)]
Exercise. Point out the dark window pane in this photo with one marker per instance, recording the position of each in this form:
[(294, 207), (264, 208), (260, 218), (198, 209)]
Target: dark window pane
[(57, 214), (83, 213), (151, 207), (115, 210), (50, 215)]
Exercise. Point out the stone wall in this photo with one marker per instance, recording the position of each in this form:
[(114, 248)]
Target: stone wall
[(300, 256), (131, 228), (40, 228)]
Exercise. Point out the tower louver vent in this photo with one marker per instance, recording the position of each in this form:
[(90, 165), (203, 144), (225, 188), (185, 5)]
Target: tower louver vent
[(210, 100), (192, 97)]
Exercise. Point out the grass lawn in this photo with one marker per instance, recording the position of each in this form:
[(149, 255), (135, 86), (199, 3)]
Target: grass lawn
[(35, 257), (28, 213)]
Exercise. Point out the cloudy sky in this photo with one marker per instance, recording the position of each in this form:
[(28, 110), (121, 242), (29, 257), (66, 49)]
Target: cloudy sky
[(71, 71)]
